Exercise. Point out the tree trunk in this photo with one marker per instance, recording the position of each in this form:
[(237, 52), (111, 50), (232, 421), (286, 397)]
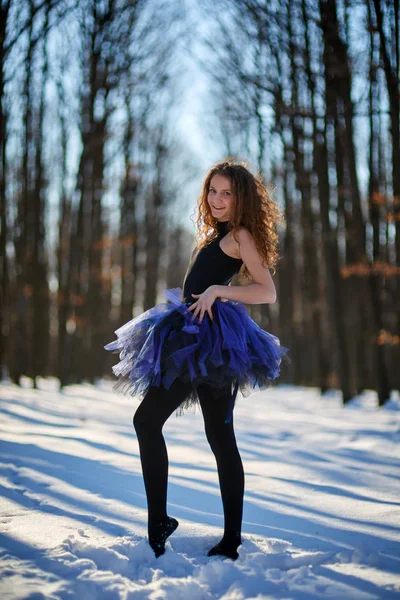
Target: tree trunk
[(64, 251), (4, 274), (128, 225), (40, 288), (22, 350)]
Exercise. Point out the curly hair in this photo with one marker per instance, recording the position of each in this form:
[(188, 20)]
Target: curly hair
[(253, 208)]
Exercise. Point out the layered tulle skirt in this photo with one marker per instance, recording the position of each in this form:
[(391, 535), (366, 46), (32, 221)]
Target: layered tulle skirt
[(167, 342)]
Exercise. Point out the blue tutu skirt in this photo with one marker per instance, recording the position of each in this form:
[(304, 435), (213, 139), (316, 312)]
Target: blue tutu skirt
[(167, 342)]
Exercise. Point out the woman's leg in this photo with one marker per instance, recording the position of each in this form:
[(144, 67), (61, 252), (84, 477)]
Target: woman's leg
[(221, 437), (149, 419)]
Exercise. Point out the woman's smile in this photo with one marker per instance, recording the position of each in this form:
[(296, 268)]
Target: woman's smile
[(220, 197)]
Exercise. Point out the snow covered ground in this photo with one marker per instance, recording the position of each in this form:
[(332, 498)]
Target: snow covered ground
[(321, 515)]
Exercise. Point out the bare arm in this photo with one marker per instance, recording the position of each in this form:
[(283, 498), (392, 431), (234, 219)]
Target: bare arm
[(262, 290)]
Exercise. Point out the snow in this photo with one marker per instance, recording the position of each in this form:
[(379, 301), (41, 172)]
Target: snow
[(321, 514)]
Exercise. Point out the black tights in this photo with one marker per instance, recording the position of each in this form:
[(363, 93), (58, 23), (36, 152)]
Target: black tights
[(149, 419)]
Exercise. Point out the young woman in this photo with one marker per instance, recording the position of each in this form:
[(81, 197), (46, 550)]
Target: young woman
[(202, 346)]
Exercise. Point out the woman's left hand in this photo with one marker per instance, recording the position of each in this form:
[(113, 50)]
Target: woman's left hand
[(204, 302)]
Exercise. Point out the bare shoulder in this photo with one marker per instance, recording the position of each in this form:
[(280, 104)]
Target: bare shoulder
[(241, 244), (244, 237), (248, 250)]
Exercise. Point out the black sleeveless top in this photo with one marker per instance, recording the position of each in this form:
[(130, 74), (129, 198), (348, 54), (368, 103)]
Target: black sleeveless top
[(210, 266)]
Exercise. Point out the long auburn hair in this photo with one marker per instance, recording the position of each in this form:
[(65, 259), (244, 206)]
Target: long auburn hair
[(253, 208)]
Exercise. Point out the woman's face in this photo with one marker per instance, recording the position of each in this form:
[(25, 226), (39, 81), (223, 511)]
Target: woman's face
[(220, 197)]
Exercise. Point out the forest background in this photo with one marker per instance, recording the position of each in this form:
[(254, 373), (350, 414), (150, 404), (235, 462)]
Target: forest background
[(111, 112)]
